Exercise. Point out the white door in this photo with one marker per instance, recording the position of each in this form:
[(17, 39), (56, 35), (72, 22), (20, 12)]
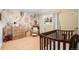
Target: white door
[(68, 20)]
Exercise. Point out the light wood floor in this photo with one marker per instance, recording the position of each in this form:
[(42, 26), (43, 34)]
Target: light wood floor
[(27, 43)]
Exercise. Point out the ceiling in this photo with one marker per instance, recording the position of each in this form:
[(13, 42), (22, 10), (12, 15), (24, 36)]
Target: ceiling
[(38, 11), (31, 10)]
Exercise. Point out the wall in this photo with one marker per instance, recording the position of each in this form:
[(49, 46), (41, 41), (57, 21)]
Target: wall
[(0, 34), (5, 19), (3, 22), (78, 23), (68, 19), (10, 16)]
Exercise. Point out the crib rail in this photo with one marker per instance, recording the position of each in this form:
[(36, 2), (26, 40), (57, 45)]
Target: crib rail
[(73, 41), (48, 43), (67, 34)]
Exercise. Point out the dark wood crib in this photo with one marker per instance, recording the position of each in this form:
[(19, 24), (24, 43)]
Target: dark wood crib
[(58, 40)]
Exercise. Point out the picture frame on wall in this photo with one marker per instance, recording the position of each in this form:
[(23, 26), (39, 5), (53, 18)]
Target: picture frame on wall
[(48, 19)]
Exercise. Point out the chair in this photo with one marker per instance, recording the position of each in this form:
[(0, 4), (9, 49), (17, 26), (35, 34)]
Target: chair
[(35, 31)]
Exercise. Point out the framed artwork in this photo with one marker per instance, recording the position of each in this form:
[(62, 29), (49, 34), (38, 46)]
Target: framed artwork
[(48, 19)]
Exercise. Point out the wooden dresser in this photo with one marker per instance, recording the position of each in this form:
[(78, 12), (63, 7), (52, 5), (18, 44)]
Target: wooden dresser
[(18, 32)]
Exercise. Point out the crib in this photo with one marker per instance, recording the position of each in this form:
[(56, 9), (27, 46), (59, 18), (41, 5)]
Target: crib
[(58, 40)]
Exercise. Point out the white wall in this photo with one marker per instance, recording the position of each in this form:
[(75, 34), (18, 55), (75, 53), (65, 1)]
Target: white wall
[(78, 23), (0, 34), (10, 16), (2, 24), (5, 18)]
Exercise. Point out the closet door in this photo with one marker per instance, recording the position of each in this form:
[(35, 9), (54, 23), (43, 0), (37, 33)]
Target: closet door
[(68, 20)]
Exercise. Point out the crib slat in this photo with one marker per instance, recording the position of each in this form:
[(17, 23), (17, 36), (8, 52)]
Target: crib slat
[(66, 35), (50, 44), (64, 45), (69, 46), (69, 35), (58, 45), (47, 44), (53, 45), (44, 42)]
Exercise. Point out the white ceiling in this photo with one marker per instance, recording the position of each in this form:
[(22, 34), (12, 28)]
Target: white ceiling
[(38, 11), (32, 10)]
